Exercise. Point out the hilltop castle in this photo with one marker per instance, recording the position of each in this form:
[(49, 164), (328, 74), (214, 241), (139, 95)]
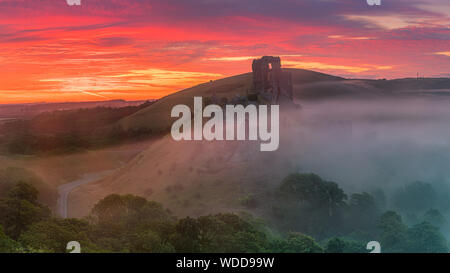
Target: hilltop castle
[(270, 82)]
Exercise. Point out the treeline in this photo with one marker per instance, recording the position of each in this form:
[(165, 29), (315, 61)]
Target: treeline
[(128, 223), (308, 204), (69, 130), (10, 176)]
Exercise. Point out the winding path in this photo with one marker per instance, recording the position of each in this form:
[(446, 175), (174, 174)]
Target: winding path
[(66, 189)]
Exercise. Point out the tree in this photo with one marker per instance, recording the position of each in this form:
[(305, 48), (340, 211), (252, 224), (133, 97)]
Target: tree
[(426, 238), (52, 235), (224, 233), (363, 201), (310, 189), (21, 209), (148, 242), (121, 221), (335, 245), (363, 209), (393, 232), (128, 209), (8, 245), (308, 204), (24, 191), (186, 236), (11, 176), (340, 245), (434, 217), (297, 243)]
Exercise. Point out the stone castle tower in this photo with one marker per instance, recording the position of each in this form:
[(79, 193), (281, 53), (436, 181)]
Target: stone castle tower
[(270, 82)]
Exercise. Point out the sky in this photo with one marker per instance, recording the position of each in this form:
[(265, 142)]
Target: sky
[(146, 49)]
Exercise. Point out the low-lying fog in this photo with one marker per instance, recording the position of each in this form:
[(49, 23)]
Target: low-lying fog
[(364, 145)]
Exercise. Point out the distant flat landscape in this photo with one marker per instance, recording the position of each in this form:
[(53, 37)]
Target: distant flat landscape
[(28, 110)]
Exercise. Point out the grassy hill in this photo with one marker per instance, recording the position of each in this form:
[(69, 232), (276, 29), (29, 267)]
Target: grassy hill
[(191, 178), (157, 116), (308, 86)]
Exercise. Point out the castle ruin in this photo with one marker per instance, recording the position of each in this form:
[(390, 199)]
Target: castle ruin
[(270, 82)]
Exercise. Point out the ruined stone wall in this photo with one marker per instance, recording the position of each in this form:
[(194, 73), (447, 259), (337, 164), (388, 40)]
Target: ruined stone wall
[(270, 81)]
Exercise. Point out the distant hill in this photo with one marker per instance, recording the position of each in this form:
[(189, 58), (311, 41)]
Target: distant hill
[(66, 131), (28, 110)]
